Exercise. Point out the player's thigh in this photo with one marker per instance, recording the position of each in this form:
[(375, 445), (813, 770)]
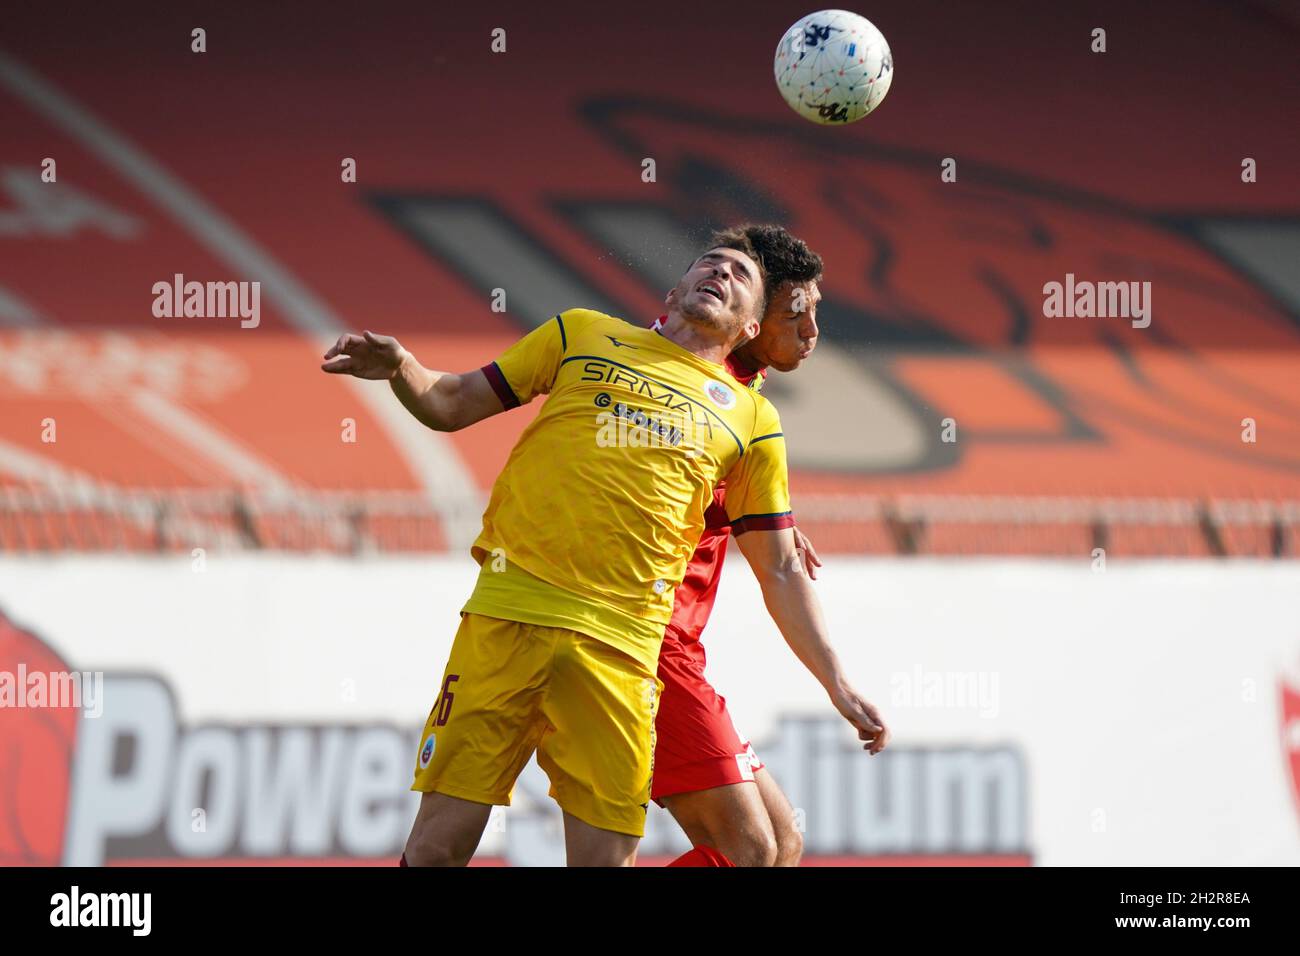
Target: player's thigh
[(693, 734), (487, 719), (598, 749), (789, 839), (586, 845), (446, 831), (731, 818), (696, 744)]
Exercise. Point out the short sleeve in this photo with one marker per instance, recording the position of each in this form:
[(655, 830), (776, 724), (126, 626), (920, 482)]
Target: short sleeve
[(758, 487), (528, 368)]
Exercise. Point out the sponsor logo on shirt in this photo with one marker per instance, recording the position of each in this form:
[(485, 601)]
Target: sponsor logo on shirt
[(602, 371)]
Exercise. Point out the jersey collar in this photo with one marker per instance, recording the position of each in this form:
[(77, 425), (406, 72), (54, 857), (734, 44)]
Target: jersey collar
[(741, 372)]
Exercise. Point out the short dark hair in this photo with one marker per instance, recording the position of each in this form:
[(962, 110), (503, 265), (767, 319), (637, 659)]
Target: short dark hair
[(781, 256)]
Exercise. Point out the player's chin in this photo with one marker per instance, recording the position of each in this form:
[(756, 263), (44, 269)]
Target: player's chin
[(793, 361), (706, 311)]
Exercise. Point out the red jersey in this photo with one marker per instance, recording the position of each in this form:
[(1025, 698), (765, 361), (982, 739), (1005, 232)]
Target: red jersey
[(695, 595)]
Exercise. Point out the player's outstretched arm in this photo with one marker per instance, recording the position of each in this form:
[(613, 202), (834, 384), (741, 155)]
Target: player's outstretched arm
[(440, 400), (793, 605)]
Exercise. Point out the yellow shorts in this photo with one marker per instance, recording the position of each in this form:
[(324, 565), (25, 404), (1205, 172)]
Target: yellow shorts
[(585, 707)]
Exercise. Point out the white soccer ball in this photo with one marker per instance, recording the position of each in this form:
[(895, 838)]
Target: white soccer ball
[(833, 67)]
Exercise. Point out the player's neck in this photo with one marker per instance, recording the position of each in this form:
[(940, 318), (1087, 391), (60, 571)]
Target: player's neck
[(745, 362), (696, 339)]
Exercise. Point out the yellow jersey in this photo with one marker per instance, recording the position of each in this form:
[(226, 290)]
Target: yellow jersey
[(598, 509)]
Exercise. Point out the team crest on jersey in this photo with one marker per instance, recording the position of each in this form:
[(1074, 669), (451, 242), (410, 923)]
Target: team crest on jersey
[(720, 395), (426, 752)]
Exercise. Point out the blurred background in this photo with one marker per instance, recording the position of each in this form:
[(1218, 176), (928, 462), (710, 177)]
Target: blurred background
[(1061, 553)]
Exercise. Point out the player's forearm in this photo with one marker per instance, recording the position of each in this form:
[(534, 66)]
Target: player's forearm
[(794, 608), (423, 392)]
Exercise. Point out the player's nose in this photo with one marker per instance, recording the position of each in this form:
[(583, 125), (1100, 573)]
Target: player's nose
[(808, 328)]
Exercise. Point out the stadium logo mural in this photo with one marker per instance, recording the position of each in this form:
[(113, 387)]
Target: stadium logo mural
[(932, 308), (916, 271)]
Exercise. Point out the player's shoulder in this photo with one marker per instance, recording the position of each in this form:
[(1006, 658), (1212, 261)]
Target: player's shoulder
[(580, 320), (763, 407), (602, 334), (767, 421)]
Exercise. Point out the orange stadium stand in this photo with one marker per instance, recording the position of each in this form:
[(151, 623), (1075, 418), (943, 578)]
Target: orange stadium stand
[(121, 431)]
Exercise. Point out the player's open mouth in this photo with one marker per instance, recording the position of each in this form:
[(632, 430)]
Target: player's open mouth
[(711, 288)]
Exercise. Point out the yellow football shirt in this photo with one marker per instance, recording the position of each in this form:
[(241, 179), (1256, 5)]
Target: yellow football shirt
[(592, 521)]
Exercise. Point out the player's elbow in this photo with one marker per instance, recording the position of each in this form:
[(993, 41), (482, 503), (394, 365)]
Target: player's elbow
[(435, 420), (444, 423), (460, 414), (445, 411)]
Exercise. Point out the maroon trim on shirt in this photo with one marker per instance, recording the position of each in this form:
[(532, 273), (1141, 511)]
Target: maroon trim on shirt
[(772, 522), (492, 372)]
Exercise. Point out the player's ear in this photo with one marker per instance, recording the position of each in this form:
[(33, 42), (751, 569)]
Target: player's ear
[(671, 297), (760, 311)]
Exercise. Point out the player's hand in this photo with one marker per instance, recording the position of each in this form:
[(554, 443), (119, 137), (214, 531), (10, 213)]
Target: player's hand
[(807, 553), (365, 356), (864, 717)]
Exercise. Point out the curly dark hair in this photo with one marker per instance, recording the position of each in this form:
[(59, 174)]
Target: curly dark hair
[(781, 256)]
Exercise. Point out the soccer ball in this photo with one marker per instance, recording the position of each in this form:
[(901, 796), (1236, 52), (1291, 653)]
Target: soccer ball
[(833, 67)]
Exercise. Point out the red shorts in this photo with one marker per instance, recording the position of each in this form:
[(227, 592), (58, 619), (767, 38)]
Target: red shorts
[(696, 744)]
